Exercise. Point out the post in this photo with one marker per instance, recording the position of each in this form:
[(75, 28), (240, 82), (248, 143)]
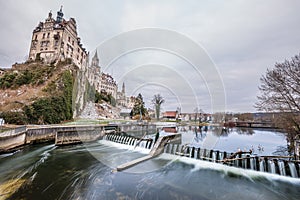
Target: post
[(248, 166), (193, 152), (198, 153), (156, 136)]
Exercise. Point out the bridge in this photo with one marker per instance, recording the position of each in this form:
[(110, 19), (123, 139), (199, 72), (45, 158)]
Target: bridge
[(255, 124)]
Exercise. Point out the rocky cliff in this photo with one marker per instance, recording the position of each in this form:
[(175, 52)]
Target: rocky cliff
[(37, 93)]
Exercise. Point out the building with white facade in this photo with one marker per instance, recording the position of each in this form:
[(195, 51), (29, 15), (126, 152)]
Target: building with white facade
[(57, 39)]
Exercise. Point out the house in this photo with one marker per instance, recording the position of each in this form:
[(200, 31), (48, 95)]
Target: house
[(170, 115)]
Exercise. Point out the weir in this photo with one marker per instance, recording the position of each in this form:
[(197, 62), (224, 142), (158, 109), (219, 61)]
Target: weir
[(156, 150), (280, 165), (63, 135), (15, 138)]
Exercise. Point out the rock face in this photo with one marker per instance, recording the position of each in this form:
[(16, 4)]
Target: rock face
[(99, 111), (89, 111)]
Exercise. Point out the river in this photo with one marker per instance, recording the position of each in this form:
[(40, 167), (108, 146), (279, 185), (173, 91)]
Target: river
[(85, 171)]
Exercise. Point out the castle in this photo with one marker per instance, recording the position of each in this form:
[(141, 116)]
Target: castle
[(105, 82), (56, 40)]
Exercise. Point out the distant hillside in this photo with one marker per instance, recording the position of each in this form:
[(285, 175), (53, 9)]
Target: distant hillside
[(37, 93)]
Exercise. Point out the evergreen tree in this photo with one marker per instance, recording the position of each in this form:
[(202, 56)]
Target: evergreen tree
[(139, 107)]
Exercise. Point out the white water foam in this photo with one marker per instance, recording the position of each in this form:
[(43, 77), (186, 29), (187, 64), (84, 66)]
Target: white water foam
[(200, 164), (125, 146)]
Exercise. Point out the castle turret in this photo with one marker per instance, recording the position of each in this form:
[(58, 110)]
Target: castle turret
[(95, 60), (60, 16), (123, 88)]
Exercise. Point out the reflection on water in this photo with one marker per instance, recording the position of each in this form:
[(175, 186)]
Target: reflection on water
[(260, 141)]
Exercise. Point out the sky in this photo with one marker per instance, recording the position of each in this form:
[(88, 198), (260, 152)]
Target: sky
[(208, 54)]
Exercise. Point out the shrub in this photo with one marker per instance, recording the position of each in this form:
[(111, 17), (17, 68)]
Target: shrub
[(14, 117)]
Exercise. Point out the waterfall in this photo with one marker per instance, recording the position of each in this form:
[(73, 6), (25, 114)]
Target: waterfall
[(244, 162), (262, 166), (172, 148), (272, 168), (252, 164), (221, 156), (293, 169), (175, 149), (281, 168), (119, 139), (124, 139), (127, 140), (134, 141), (214, 156), (131, 141)]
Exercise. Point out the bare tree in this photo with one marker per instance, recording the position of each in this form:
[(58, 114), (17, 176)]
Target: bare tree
[(280, 92), (157, 101)]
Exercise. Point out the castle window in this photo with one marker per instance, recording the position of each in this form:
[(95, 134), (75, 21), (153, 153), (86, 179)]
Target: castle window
[(48, 35), (35, 38), (34, 44), (44, 43), (69, 39), (44, 35), (73, 42)]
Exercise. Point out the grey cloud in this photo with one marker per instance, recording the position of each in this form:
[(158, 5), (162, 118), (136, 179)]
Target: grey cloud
[(243, 38)]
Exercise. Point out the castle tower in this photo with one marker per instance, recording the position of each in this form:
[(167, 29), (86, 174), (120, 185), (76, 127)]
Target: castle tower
[(95, 60), (60, 16), (123, 88)]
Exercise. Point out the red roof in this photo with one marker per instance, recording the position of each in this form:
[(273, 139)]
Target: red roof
[(170, 114), (170, 129)]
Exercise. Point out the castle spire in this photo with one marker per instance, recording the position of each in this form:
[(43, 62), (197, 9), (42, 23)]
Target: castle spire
[(50, 14), (60, 15), (95, 60), (123, 88)]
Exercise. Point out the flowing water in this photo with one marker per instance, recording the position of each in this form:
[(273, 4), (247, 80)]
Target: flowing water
[(85, 171)]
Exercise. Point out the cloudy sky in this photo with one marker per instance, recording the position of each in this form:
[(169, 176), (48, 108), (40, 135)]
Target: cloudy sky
[(240, 38)]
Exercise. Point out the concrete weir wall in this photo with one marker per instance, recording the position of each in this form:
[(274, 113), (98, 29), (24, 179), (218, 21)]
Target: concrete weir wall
[(74, 137), (12, 141), (61, 135)]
